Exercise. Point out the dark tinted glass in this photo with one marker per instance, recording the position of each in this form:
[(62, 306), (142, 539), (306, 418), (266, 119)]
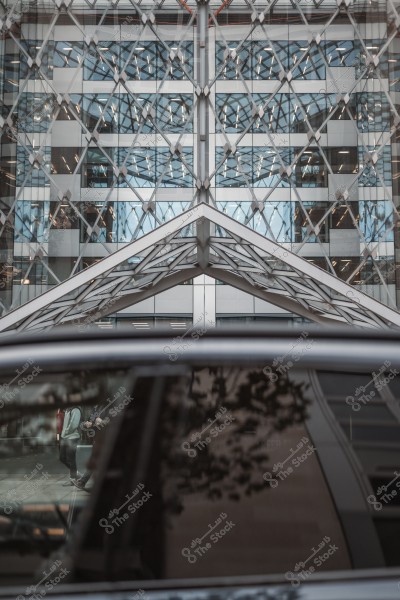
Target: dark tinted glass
[(201, 471)]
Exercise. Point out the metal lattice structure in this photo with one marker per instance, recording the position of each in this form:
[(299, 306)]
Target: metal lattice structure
[(170, 255), (282, 116)]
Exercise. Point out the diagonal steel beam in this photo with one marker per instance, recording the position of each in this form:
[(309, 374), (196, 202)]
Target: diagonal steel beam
[(354, 306), (97, 270), (302, 266)]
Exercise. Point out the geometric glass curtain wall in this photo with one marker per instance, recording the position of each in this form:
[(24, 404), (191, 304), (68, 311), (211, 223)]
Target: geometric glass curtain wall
[(117, 117)]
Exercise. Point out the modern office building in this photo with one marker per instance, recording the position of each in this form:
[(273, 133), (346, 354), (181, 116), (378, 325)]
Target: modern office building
[(117, 118)]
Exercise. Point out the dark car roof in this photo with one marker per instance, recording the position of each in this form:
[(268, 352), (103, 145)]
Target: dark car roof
[(338, 348)]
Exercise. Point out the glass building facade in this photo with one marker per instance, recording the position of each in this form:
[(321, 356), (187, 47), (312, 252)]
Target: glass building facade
[(116, 118)]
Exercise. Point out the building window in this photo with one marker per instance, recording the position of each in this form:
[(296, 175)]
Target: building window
[(101, 61), (33, 175), (310, 215), (307, 107), (98, 171), (345, 216), (63, 216), (343, 53), (236, 170), (174, 170), (230, 68), (31, 272), (373, 113), (141, 167), (99, 224), (176, 60), (343, 160), (305, 61), (68, 54), (266, 166), (64, 160), (376, 220), (139, 61), (100, 112), (33, 49), (31, 221), (266, 58), (35, 112), (310, 168), (174, 112), (375, 175)]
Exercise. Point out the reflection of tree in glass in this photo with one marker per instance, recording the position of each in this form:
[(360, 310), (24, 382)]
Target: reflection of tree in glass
[(230, 463)]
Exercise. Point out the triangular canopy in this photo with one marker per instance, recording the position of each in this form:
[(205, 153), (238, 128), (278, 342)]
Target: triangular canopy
[(201, 241)]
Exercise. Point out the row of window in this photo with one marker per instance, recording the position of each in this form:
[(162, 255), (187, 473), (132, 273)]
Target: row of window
[(142, 60), (115, 221), (146, 167), (290, 222), (119, 113), (282, 113), (101, 221), (38, 272), (297, 113), (265, 59), (254, 166), (155, 60), (259, 166)]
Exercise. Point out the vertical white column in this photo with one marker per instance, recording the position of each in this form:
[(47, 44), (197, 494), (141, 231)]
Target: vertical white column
[(204, 301), (204, 287)]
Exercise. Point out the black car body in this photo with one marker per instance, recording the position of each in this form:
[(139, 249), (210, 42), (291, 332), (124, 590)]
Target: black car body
[(229, 464)]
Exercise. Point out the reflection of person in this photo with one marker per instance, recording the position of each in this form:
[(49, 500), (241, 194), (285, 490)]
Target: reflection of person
[(59, 423), (95, 422), (69, 441)]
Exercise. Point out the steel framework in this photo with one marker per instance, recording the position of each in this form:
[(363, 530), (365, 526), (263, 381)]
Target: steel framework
[(173, 253), (200, 239)]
